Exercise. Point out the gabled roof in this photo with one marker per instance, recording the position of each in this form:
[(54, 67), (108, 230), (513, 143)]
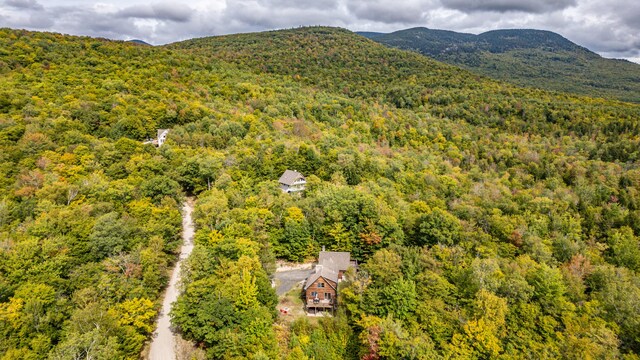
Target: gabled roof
[(162, 131), (289, 177), (330, 263), (323, 272), (335, 260)]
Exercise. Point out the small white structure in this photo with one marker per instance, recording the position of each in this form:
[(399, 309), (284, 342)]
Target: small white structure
[(292, 181), (162, 136)]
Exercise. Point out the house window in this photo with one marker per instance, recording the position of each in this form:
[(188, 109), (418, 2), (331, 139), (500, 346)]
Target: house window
[(314, 294), (327, 296), (320, 285)]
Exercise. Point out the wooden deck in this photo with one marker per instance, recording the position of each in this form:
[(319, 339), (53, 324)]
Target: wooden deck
[(321, 304)]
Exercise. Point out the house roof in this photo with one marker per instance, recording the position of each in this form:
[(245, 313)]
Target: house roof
[(330, 263), (335, 260), (321, 271), (289, 177), (162, 131)]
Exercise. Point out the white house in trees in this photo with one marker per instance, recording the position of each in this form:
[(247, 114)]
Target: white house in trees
[(292, 181), (162, 136)]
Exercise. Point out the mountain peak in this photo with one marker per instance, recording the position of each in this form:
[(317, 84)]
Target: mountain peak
[(526, 57), (509, 39), (139, 42)]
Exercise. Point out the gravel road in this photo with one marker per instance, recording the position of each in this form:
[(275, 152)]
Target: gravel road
[(163, 345), (289, 278)]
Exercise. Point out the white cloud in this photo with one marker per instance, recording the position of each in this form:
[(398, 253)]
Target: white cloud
[(161, 11), (413, 11)]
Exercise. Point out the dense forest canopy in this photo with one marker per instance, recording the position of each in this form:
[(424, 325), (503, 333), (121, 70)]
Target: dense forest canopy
[(534, 58), (491, 221)]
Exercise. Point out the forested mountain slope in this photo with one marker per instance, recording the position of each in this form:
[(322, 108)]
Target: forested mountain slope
[(340, 62), (491, 221), (534, 58)]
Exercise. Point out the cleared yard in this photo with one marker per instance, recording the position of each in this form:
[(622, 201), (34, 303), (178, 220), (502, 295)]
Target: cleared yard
[(289, 280), (293, 303)]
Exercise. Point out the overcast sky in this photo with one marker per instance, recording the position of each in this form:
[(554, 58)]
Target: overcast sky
[(611, 28)]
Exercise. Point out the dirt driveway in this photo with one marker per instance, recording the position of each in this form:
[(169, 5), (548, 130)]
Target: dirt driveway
[(163, 344), (287, 279)]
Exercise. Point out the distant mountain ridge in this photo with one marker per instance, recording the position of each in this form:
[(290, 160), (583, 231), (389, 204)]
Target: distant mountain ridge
[(440, 42), (504, 40), (139, 42), (536, 58)]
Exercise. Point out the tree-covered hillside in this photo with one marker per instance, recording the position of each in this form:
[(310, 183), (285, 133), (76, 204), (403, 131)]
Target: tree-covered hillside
[(533, 58), (490, 221)]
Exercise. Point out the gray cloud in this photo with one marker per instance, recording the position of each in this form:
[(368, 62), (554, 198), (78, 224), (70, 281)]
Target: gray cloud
[(163, 11), (603, 31), (256, 15), (502, 6), (619, 11), (87, 21), (24, 4), (41, 20), (390, 12), (301, 4)]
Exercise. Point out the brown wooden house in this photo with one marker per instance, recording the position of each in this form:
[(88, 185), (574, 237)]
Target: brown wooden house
[(321, 287)]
